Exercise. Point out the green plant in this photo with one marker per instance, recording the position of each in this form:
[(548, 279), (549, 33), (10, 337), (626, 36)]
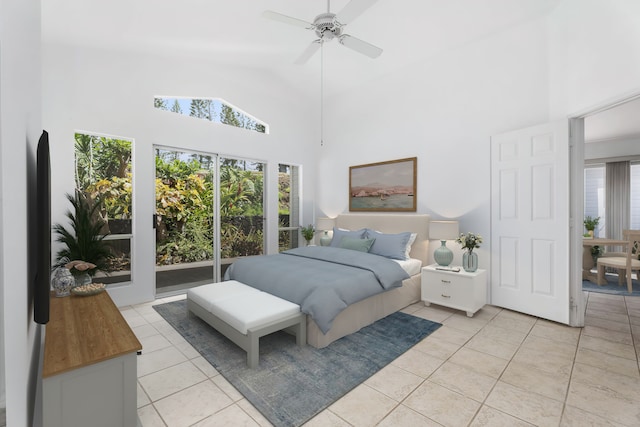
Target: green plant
[(85, 240), (308, 232), (591, 223)]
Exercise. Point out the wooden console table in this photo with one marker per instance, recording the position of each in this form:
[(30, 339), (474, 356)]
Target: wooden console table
[(90, 368)]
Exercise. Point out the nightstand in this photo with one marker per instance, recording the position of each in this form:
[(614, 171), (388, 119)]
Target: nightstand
[(460, 290)]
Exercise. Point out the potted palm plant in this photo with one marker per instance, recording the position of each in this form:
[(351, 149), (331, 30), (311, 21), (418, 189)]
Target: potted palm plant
[(85, 251)]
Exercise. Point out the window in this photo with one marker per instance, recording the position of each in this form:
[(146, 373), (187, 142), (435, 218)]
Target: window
[(594, 196), (103, 172), (288, 206), (214, 110)]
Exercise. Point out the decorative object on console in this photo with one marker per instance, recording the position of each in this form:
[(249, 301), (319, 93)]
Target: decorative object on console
[(62, 281), (88, 289), (469, 242), (385, 186), (324, 225), (308, 232), (80, 271), (443, 231)]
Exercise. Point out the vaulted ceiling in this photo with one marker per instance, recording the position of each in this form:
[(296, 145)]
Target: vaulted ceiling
[(234, 32)]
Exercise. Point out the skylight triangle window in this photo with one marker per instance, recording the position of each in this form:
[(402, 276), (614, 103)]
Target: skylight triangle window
[(214, 110)]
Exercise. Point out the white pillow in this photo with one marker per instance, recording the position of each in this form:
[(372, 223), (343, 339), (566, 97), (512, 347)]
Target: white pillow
[(409, 243)]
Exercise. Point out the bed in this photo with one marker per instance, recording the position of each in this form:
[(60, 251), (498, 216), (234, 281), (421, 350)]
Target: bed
[(370, 309)]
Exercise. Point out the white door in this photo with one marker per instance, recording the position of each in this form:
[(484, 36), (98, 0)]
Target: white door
[(530, 221)]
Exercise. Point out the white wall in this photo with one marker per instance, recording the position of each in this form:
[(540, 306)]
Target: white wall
[(112, 93), (20, 128), (443, 111), (594, 54)]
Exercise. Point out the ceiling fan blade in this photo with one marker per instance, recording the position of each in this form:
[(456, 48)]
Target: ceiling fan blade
[(287, 19), (352, 10), (360, 46), (308, 52)]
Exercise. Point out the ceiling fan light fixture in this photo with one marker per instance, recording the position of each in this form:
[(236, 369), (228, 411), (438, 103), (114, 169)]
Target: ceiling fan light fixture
[(329, 26)]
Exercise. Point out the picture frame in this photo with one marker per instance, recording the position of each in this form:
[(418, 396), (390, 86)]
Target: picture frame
[(384, 187)]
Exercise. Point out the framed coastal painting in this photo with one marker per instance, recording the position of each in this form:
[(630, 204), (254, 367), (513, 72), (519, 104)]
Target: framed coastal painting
[(383, 187)]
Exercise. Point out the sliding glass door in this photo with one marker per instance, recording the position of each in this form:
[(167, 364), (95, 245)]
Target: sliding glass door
[(185, 220), (198, 194), (241, 192)]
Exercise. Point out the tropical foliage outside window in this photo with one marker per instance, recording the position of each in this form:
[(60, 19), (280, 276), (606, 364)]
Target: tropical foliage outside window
[(214, 110), (288, 206), (185, 221), (103, 175), (241, 208), (185, 202), (184, 208)]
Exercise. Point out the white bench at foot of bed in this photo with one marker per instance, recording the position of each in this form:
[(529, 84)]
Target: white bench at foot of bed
[(244, 314)]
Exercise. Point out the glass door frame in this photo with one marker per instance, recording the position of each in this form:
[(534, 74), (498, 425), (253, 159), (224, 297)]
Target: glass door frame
[(215, 158)]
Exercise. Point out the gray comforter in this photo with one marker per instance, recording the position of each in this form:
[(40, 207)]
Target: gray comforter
[(323, 281)]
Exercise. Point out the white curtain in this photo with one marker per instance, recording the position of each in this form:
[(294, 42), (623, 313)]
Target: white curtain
[(618, 183)]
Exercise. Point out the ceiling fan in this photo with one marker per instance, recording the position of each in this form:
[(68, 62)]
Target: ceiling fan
[(329, 26)]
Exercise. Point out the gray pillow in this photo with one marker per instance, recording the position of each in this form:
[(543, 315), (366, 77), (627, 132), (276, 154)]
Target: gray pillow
[(339, 233), (392, 246), (362, 245)]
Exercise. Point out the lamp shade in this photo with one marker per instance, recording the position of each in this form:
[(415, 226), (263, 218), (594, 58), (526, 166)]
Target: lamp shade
[(443, 230), (325, 224)]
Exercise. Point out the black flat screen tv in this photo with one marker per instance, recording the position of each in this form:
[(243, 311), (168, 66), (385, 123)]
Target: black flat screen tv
[(42, 285)]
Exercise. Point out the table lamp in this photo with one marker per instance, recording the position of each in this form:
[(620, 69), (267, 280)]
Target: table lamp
[(325, 225), (443, 231)]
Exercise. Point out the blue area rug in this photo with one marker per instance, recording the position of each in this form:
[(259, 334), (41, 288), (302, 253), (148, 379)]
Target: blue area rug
[(611, 287), (292, 383)]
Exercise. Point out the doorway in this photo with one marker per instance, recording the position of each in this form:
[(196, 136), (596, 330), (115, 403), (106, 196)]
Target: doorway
[(611, 137), (209, 212)]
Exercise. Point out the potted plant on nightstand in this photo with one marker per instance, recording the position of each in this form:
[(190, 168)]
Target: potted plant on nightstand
[(590, 224), (308, 233)]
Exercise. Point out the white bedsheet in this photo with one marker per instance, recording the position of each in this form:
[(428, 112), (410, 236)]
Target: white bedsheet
[(412, 266)]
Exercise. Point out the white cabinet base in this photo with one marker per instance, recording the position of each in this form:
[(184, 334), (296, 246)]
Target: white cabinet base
[(459, 290), (100, 395)]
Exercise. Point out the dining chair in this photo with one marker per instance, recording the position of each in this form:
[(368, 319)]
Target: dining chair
[(624, 264)]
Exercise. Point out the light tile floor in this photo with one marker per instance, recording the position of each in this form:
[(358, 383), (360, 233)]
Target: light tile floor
[(499, 368)]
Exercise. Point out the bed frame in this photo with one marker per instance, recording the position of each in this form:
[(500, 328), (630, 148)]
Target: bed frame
[(369, 310)]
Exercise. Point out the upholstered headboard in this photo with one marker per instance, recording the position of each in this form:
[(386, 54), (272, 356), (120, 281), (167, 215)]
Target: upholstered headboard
[(393, 223)]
